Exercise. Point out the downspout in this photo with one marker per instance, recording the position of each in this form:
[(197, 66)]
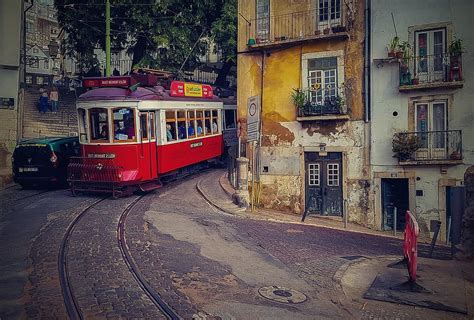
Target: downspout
[(367, 62)]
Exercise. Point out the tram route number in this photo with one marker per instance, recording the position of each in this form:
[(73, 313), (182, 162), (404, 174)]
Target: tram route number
[(101, 155), (196, 144)]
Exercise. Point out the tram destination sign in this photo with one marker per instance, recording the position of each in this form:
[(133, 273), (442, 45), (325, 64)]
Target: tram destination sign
[(253, 118), (184, 89)]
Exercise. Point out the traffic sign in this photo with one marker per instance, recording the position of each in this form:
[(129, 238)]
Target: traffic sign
[(253, 118)]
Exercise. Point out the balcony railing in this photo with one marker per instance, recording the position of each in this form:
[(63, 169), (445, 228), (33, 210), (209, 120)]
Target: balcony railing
[(431, 147), (296, 26), (323, 102), (431, 71)]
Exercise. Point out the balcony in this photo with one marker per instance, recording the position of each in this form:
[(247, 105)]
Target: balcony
[(431, 72), (323, 104), (428, 147), (296, 27)]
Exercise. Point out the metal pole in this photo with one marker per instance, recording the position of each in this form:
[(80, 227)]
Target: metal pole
[(345, 213), (395, 212), (107, 38)]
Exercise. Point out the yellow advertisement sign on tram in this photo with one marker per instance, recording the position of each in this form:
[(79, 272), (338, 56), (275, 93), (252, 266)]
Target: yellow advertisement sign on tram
[(192, 90)]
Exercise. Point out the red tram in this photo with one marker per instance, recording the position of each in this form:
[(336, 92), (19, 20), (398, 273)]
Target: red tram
[(133, 133)]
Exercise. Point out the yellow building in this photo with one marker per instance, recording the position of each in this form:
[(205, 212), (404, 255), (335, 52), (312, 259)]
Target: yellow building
[(311, 157)]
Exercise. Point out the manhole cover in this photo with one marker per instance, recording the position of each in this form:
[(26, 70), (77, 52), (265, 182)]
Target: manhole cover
[(281, 294)]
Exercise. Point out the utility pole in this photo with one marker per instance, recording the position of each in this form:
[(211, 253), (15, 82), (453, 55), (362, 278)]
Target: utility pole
[(107, 38)]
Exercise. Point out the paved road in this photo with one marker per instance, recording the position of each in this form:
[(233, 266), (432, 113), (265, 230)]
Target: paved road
[(202, 262)]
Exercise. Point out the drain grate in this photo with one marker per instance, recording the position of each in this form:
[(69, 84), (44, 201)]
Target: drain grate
[(281, 294)]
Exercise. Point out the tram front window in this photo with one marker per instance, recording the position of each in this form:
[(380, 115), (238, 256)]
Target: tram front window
[(124, 125), (99, 124), (82, 125)]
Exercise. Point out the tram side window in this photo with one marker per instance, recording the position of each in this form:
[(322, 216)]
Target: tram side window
[(152, 125), (170, 125), (199, 122), (207, 122), (215, 122), (191, 124), (81, 113), (229, 119), (144, 126), (182, 134), (124, 124), (99, 124)]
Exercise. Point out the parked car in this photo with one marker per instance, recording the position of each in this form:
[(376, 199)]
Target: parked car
[(43, 161)]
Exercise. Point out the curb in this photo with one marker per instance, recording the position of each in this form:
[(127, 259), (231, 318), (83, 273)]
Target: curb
[(225, 188), (208, 200)]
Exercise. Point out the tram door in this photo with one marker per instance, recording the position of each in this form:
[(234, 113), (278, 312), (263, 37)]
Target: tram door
[(148, 157)]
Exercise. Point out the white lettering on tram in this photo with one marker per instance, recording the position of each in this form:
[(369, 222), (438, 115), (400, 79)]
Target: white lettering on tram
[(101, 155)]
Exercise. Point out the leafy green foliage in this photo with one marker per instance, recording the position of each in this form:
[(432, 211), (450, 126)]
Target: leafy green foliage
[(404, 144), (160, 34)]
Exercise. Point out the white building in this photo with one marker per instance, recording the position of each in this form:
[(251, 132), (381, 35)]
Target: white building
[(430, 101)]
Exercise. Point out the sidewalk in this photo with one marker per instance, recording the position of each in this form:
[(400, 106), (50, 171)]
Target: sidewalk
[(222, 199)]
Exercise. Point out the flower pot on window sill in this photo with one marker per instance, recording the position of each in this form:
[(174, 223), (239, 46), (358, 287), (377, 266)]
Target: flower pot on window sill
[(282, 38), (415, 81), (317, 32), (251, 42), (326, 31), (455, 155), (338, 29)]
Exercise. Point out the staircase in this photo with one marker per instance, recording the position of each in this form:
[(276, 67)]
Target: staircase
[(60, 124)]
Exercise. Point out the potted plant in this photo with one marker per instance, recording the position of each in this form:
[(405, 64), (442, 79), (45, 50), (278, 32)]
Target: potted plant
[(404, 145), (455, 155), (415, 81), (251, 42), (317, 32), (393, 47), (326, 30), (298, 97), (455, 52)]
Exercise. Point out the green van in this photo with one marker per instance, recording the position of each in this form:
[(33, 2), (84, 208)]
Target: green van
[(43, 160)]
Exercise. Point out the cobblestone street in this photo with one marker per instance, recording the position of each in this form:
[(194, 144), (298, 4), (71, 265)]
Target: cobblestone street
[(202, 262)]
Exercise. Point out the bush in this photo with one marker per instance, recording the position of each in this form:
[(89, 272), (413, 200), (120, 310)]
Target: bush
[(404, 144)]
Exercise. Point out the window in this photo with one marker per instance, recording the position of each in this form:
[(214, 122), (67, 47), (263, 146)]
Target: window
[(329, 13), (124, 125), (29, 79), (430, 48), (98, 119), (207, 122), (30, 28), (263, 19), (191, 124), (171, 125), (322, 79), (35, 63), (152, 125), (39, 80), (431, 116), (81, 113), (181, 119), (333, 174), (199, 122), (46, 64), (144, 126), (229, 119), (313, 174), (215, 122)]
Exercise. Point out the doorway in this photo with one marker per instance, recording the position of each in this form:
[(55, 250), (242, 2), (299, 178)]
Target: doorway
[(323, 184), (395, 203)]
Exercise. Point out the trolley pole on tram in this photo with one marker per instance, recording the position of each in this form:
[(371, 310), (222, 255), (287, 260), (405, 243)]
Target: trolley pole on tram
[(107, 38)]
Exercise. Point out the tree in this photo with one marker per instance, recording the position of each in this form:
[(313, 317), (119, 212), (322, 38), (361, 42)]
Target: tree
[(161, 34)]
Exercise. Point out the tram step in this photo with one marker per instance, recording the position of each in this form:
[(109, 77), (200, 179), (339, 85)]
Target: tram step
[(149, 186)]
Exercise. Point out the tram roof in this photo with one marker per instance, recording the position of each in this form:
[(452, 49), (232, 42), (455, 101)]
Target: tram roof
[(140, 94)]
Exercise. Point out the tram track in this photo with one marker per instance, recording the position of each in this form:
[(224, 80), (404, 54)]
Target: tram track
[(70, 301)]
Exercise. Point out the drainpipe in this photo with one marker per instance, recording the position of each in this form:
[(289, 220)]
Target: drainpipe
[(367, 62)]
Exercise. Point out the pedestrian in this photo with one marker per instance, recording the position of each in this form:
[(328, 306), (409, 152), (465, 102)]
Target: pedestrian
[(115, 72), (43, 102), (54, 98)]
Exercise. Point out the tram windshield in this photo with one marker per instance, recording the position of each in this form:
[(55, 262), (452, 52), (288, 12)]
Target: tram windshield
[(124, 125)]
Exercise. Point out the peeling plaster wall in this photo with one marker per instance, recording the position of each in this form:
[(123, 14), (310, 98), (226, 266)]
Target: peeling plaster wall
[(284, 139), (386, 99)]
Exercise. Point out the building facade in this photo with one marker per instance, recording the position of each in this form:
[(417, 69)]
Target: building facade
[(422, 120), (10, 33), (303, 61)]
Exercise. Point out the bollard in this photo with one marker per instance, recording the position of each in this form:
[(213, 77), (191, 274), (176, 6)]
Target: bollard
[(435, 236), (345, 213), (241, 196)]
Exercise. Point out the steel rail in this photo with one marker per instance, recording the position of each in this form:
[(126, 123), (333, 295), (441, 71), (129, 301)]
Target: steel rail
[(132, 266), (70, 301)]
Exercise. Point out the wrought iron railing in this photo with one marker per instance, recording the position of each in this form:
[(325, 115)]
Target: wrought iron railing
[(431, 145), (431, 69), (319, 102), (297, 25)]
